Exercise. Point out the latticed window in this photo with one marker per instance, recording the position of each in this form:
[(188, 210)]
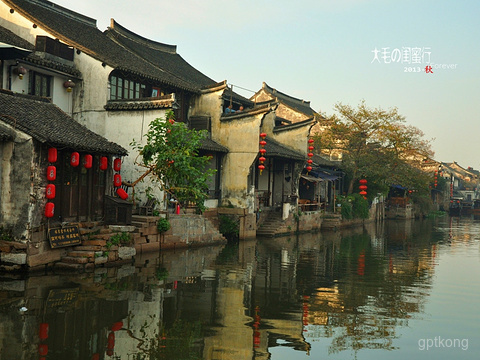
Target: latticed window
[(40, 84), (123, 88)]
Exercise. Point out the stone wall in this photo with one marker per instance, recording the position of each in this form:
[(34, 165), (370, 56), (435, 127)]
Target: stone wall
[(310, 221), (186, 231)]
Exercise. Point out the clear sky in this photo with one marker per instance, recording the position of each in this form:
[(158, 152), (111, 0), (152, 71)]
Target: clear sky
[(324, 51)]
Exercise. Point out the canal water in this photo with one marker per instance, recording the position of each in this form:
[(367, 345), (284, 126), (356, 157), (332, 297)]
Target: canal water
[(402, 290)]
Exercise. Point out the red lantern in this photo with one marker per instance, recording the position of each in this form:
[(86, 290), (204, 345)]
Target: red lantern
[(103, 163), (43, 331), (43, 349), (111, 341), (52, 155), (363, 181), (261, 159), (263, 143), (311, 148), (117, 164), (310, 141), (363, 187), (262, 151), (363, 193), (117, 326), (310, 161), (96, 356), (50, 191), (69, 85), (75, 159), (49, 209), (51, 173), (310, 154), (261, 167), (122, 193), (117, 180), (263, 135), (87, 161), (309, 168)]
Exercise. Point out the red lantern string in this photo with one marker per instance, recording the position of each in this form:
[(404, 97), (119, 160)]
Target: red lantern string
[(262, 151), (363, 187), (310, 155)]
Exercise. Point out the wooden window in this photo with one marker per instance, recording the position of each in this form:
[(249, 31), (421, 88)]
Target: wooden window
[(40, 84), (200, 122), (122, 87)]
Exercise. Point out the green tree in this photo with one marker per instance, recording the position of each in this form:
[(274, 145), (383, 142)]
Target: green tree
[(171, 156), (378, 145)]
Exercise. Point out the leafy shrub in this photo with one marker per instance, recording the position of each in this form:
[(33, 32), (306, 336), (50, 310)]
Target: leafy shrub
[(163, 225), (229, 227), (360, 208), (122, 238)]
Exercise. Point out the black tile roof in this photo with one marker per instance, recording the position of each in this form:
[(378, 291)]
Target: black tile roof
[(210, 145), (321, 161), (275, 149), (140, 104), (82, 33), (6, 134), (161, 55), (294, 103), (37, 60), (47, 123), (230, 95), (296, 125), (9, 37)]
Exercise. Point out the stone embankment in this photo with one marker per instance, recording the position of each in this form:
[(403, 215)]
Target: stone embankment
[(114, 244)]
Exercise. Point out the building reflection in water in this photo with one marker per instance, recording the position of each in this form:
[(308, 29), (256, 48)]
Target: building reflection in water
[(354, 288)]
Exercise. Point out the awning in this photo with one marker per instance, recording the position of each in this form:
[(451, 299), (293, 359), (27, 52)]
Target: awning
[(9, 52), (311, 178), (324, 176)]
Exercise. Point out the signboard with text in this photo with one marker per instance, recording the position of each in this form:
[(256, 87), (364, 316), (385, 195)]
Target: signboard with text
[(66, 236)]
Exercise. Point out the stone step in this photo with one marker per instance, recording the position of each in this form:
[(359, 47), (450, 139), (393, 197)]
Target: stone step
[(85, 254), (88, 247), (144, 219), (104, 237), (138, 224), (74, 260), (96, 242)]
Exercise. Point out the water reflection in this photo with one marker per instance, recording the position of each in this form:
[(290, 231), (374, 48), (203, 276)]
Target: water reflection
[(343, 294)]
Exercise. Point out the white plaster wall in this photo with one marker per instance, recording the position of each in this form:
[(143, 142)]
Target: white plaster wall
[(92, 94), (123, 127), (24, 28), (60, 96), (288, 113), (19, 25), (58, 93), (296, 139)]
